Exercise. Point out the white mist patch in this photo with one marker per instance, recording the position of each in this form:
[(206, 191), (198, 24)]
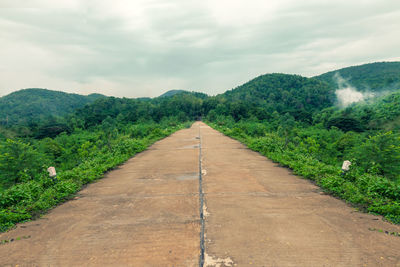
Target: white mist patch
[(347, 94)]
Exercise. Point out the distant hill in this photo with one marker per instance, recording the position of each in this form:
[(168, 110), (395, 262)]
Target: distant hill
[(283, 93), (172, 92), (379, 76), (34, 105)]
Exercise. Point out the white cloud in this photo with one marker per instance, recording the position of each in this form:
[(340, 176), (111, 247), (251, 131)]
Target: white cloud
[(144, 47)]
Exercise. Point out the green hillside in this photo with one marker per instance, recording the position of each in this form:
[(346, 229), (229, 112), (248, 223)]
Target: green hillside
[(379, 76), (268, 94), (283, 92), (28, 106), (171, 93)]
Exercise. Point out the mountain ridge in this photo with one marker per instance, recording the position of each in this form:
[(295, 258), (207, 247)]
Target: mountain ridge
[(298, 95)]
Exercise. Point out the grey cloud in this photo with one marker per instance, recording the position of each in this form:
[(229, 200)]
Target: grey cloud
[(183, 45)]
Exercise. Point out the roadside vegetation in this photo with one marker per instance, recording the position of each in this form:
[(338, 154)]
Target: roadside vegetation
[(372, 184), (79, 159), (96, 139)]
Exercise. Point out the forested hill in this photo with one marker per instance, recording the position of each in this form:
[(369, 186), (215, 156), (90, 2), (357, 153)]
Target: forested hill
[(28, 106), (380, 76), (283, 93), (172, 92)]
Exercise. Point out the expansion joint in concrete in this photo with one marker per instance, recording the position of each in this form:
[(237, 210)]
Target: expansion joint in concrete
[(201, 199)]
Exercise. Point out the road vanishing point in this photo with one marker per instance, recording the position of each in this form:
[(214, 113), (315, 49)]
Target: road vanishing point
[(199, 198)]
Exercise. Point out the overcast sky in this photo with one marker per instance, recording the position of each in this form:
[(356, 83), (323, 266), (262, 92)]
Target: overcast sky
[(136, 48)]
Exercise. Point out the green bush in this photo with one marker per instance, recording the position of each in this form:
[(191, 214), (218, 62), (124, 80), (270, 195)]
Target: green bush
[(19, 162)]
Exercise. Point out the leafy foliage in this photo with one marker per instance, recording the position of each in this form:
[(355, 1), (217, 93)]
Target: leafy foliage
[(19, 162)]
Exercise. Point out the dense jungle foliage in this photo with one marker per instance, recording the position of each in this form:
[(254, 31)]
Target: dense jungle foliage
[(291, 119)]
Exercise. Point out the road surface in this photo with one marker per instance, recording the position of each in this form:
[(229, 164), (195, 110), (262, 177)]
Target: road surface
[(243, 210)]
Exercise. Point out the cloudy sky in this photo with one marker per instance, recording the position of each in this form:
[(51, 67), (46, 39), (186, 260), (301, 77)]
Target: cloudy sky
[(136, 48)]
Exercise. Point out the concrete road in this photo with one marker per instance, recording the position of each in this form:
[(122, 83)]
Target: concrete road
[(244, 211), (145, 213), (260, 214)]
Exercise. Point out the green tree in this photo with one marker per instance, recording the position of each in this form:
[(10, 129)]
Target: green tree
[(287, 124), (381, 154), (19, 162)]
